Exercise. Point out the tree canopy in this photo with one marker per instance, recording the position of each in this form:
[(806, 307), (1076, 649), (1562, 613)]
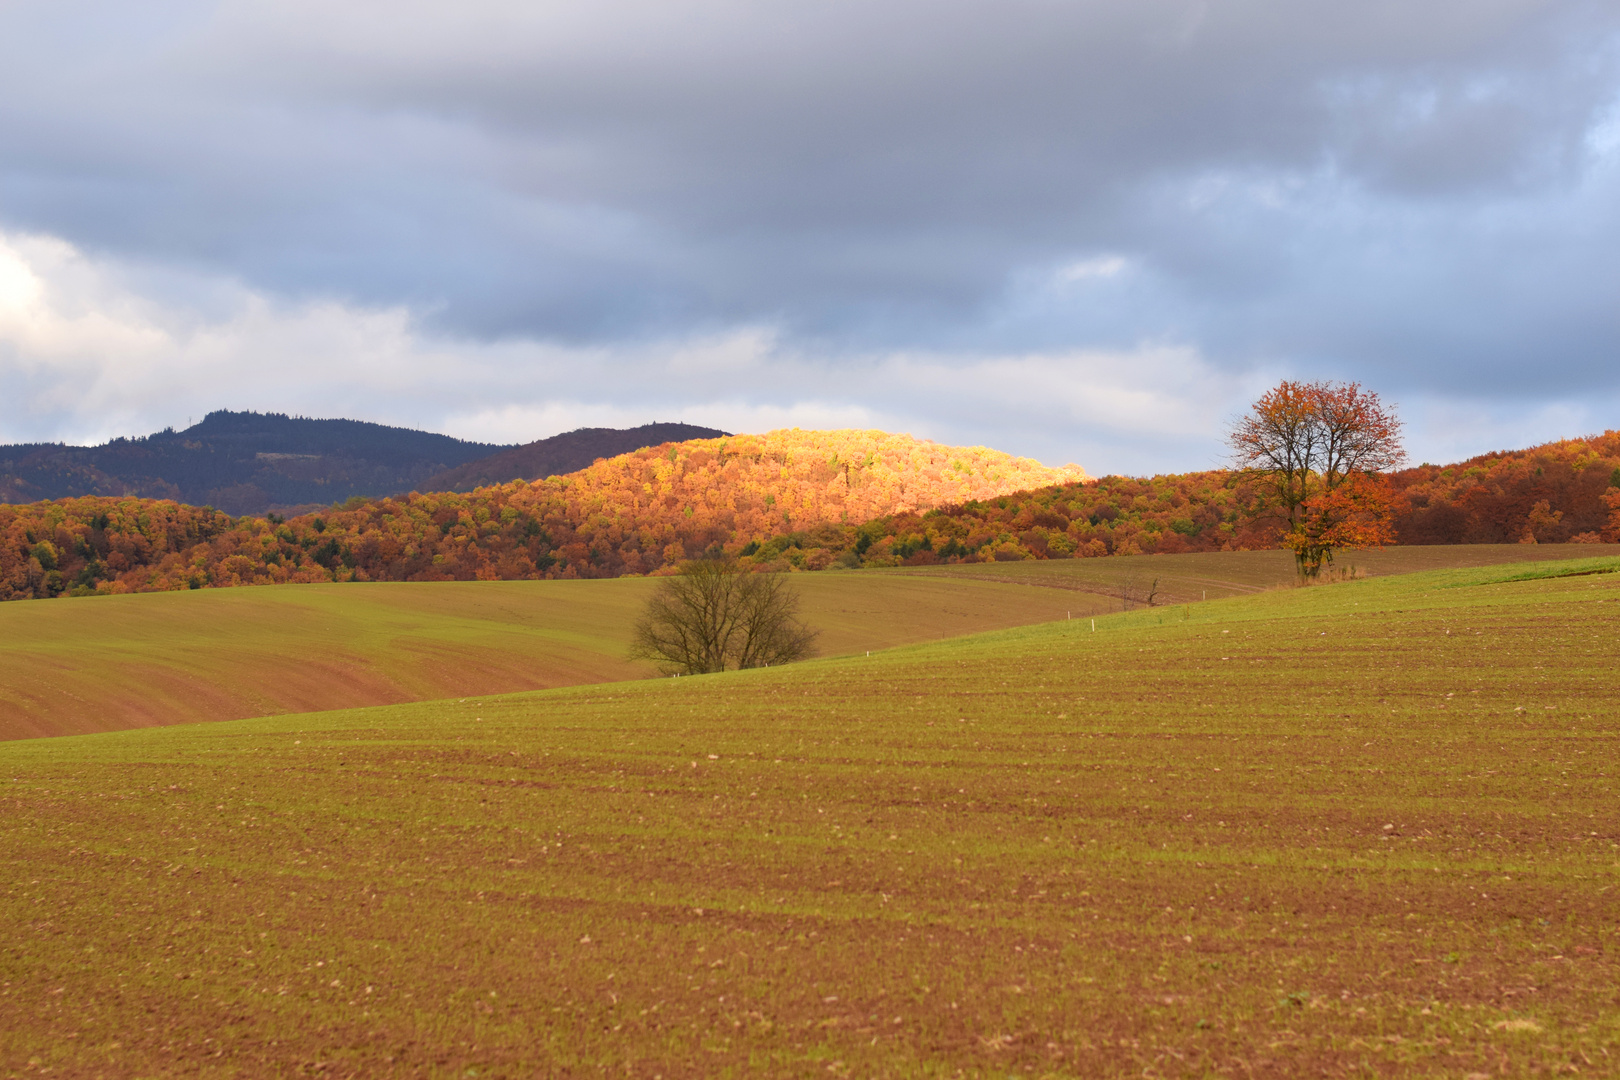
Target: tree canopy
[(1319, 448), (716, 616)]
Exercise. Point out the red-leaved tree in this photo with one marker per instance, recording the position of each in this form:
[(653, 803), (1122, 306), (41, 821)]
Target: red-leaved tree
[(1317, 450), (1611, 499)]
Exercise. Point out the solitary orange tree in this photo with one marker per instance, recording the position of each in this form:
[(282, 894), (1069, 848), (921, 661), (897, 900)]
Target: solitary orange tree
[(1318, 449)]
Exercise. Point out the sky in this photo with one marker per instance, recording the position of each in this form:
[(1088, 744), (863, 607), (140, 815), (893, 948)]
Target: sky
[(1085, 231)]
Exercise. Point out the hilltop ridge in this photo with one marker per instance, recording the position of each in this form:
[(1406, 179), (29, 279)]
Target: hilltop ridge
[(257, 463), (785, 499), (560, 454), (240, 462)]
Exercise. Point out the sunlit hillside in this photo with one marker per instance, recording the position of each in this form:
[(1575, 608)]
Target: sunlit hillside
[(634, 513), (708, 491)]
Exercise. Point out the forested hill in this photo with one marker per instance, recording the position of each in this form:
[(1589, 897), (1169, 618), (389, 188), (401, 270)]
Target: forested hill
[(787, 499), (254, 463), (1556, 493), (794, 498), (565, 453), (239, 462)]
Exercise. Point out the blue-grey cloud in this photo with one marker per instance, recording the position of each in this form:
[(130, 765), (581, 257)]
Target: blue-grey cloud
[(1420, 196)]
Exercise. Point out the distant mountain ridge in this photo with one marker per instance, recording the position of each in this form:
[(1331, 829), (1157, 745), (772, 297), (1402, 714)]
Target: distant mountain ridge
[(255, 463), (565, 453)]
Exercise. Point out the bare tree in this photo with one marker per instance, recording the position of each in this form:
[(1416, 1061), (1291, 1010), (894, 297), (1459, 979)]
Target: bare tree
[(714, 616), (1131, 591)]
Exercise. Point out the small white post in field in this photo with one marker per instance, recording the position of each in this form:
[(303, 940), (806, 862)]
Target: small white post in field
[(1093, 626)]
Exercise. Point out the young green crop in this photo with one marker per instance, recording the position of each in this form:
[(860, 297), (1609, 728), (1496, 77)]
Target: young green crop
[(106, 663), (1360, 829)]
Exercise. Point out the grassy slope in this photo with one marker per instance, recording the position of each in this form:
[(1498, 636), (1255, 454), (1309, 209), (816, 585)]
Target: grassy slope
[(1218, 574), (1367, 829), (111, 663)]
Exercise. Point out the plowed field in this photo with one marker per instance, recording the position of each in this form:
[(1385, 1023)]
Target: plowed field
[(1367, 829)]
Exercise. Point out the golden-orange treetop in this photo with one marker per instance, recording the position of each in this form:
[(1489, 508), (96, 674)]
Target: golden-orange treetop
[(755, 484)]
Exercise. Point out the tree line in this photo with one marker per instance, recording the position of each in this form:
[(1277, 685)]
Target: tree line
[(798, 503)]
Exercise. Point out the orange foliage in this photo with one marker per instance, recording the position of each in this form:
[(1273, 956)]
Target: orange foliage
[(1313, 447), (1117, 515), (1611, 500), (1356, 513), (800, 500), (1555, 493), (695, 494), (1567, 491), (636, 513)]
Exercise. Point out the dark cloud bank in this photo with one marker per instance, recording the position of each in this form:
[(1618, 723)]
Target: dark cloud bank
[(1421, 196)]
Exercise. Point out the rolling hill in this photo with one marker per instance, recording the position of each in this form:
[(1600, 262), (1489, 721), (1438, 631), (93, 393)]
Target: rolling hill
[(174, 658), (1352, 830), (257, 463), (239, 462), (634, 513)]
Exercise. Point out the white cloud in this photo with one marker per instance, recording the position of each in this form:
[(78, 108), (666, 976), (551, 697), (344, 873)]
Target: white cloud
[(1603, 137), (1441, 430), (85, 353), (93, 347), (1102, 266)]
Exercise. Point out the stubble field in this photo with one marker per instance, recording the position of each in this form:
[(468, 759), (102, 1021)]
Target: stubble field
[(1359, 830)]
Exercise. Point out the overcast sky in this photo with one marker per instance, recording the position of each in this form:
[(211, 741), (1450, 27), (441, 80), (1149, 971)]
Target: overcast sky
[(1080, 231)]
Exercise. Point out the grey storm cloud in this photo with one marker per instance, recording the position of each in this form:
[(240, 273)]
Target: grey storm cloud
[(1421, 195)]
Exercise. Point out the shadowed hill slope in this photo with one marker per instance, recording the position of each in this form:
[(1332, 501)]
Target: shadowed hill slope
[(252, 463), (565, 453), (240, 462)]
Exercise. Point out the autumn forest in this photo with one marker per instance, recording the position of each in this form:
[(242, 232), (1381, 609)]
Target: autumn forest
[(800, 500)]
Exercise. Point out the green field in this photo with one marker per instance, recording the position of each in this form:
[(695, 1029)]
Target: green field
[(117, 662), (1366, 829)]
